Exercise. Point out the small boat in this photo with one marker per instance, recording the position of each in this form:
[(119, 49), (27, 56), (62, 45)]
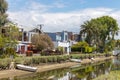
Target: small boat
[(92, 59), (26, 68), (75, 60)]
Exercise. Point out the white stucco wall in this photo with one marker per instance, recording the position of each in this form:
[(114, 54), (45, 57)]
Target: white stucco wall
[(64, 45)]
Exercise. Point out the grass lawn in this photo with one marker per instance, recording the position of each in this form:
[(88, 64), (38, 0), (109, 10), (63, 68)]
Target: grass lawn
[(114, 75)]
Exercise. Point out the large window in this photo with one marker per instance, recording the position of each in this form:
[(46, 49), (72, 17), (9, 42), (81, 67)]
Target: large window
[(58, 38), (66, 37)]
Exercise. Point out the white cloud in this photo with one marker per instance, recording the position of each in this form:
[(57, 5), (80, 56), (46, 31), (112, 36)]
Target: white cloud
[(69, 21), (35, 6)]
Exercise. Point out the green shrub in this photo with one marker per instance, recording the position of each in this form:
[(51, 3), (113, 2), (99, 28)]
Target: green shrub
[(82, 47), (50, 59), (19, 60), (54, 59), (36, 60), (44, 60), (9, 52), (28, 61), (88, 49), (4, 63), (79, 47)]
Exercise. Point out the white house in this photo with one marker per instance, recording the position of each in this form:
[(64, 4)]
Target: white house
[(66, 46), (60, 39)]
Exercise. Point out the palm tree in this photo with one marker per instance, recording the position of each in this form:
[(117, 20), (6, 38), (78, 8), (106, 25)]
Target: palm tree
[(99, 31), (87, 30)]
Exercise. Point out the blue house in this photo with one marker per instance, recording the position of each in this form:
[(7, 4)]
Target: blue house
[(54, 36), (60, 39), (64, 36), (59, 36)]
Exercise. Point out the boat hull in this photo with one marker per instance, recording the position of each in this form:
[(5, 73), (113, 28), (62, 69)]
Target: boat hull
[(75, 60), (26, 68)]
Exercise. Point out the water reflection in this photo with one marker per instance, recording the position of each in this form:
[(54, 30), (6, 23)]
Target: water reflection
[(116, 63), (82, 72)]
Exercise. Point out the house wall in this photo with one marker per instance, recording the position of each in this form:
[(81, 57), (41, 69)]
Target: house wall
[(60, 39), (64, 36), (61, 36), (66, 46), (52, 36)]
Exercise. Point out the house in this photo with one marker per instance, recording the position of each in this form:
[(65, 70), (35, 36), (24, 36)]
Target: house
[(25, 44), (54, 36), (60, 39), (73, 36), (59, 36)]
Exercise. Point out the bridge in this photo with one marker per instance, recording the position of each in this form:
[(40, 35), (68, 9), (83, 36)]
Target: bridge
[(116, 52)]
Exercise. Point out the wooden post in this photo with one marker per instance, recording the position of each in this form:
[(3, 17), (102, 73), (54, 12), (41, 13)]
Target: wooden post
[(12, 65)]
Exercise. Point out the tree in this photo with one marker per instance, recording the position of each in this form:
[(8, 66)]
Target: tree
[(9, 40), (117, 44), (86, 29), (3, 21), (3, 15), (90, 30), (11, 34), (99, 31), (110, 45), (9, 31), (2, 42), (42, 41), (109, 27)]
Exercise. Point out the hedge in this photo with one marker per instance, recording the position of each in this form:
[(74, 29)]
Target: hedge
[(37, 60)]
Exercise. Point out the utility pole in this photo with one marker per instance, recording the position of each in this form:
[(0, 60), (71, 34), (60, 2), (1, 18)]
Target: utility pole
[(40, 28)]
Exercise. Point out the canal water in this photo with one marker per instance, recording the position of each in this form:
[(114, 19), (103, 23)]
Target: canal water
[(78, 72)]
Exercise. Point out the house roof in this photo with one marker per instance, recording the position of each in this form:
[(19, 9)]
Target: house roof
[(36, 30)]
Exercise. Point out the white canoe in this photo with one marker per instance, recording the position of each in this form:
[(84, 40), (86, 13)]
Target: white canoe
[(92, 59), (75, 60), (26, 68)]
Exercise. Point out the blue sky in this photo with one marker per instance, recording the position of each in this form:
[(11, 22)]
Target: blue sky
[(59, 15), (64, 5)]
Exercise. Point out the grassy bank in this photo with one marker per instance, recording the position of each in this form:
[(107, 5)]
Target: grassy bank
[(114, 75), (46, 67), (43, 68), (39, 60)]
